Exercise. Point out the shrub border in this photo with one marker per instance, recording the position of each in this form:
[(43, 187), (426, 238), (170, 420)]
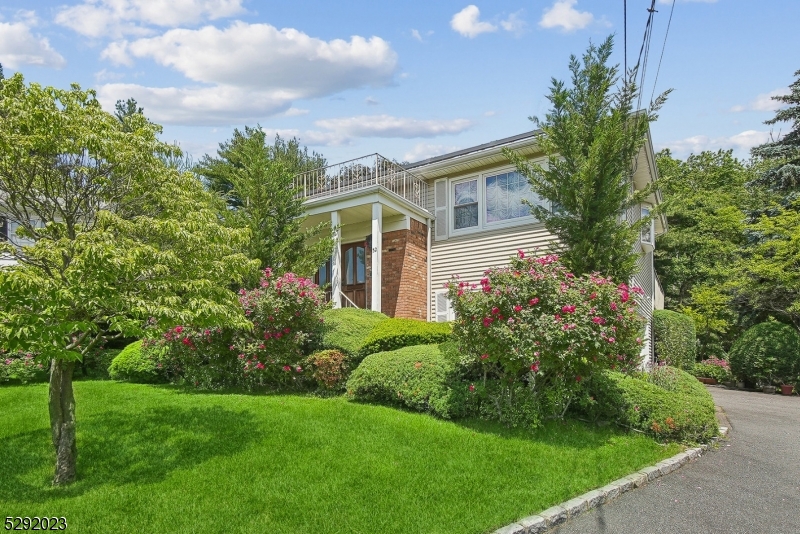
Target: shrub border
[(560, 513)]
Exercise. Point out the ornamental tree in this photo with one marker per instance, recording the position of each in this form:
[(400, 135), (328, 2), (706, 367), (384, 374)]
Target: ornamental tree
[(114, 239), (591, 137), (536, 322)]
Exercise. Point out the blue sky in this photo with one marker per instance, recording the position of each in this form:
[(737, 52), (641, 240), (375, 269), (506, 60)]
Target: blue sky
[(407, 79)]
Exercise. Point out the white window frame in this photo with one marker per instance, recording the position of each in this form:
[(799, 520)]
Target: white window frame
[(483, 225)]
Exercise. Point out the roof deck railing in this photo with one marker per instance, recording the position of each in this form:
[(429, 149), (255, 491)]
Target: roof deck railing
[(361, 173)]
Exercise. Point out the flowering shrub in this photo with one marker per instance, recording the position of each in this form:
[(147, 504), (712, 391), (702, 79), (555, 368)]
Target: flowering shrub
[(536, 323), (285, 312), (22, 367)]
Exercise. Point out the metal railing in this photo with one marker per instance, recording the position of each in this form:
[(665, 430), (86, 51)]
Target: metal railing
[(361, 173)]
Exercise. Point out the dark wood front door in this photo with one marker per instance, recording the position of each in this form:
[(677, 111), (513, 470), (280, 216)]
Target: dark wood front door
[(354, 275)]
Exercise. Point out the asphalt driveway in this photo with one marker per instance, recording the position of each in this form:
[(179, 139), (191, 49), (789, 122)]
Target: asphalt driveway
[(749, 484)]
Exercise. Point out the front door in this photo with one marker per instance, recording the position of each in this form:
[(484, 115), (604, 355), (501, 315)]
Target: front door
[(354, 275)]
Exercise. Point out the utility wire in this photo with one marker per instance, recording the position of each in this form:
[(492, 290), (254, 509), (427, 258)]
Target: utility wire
[(655, 83), (644, 51)]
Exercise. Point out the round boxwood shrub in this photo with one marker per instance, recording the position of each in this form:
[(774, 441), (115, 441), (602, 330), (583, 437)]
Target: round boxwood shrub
[(765, 353), (675, 338), (346, 329), (417, 377), (135, 365), (668, 404), (396, 333)]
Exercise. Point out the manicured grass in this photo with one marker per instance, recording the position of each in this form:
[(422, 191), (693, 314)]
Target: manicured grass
[(160, 459)]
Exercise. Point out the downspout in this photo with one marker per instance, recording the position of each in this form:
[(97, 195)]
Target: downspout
[(428, 257)]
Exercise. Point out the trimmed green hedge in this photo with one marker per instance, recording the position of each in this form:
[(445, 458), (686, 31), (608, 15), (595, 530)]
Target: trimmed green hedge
[(675, 338), (417, 377), (135, 365), (668, 404), (396, 333), (765, 353), (346, 329)]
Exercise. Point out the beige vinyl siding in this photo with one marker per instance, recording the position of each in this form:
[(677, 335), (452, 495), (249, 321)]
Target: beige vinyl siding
[(469, 256)]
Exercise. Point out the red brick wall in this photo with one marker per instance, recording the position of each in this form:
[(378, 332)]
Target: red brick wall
[(405, 272)]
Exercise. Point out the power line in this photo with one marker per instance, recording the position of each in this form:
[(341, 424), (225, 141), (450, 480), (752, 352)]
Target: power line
[(644, 50), (672, 9)]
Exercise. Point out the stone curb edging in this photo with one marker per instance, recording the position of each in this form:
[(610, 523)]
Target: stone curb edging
[(557, 515)]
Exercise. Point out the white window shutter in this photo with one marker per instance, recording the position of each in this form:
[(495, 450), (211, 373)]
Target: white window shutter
[(444, 309), (440, 209)]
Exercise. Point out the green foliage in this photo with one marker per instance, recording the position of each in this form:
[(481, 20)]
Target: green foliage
[(674, 337), (418, 377), (123, 239), (329, 369), (346, 329), (535, 323), (96, 364), (591, 136), (669, 404), (258, 182), (714, 368), (704, 200), (766, 353), (136, 364), (394, 333)]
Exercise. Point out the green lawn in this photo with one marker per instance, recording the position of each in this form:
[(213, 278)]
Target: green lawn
[(160, 459)]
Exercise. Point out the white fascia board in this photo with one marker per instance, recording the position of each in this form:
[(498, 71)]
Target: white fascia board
[(366, 196)]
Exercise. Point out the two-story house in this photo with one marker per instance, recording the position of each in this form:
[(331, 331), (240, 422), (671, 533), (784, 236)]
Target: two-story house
[(403, 231)]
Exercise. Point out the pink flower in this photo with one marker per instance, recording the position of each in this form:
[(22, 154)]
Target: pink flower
[(487, 321), (613, 306), (534, 301), (472, 387), (517, 308), (568, 309), (298, 369), (484, 356), (286, 330), (259, 365), (598, 320), (287, 368), (186, 341), (495, 310), (611, 340), (178, 329), (535, 366), (624, 296), (593, 296), (520, 254), (638, 341)]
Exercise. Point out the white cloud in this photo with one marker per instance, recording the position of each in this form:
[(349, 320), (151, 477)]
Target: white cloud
[(104, 75), (115, 18), (422, 151), (388, 126), (370, 101), (295, 112), (467, 22), (763, 102), (741, 143), (19, 46), (563, 15), (342, 131), (514, 23), (218, 105), (264, 69), (416, 35)]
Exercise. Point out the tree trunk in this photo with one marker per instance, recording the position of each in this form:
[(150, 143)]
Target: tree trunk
[(62, 420)]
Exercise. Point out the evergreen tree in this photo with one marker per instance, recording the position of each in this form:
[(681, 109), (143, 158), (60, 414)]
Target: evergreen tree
[(591, 136), (257, 181), (783, 177)]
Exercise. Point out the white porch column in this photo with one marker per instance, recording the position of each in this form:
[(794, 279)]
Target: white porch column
[(377, 248), (336, 261)]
